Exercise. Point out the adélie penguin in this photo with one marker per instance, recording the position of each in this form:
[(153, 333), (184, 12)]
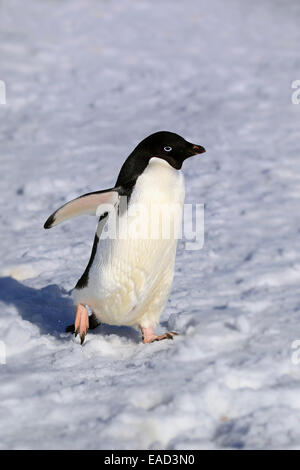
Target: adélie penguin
[(129, 275)]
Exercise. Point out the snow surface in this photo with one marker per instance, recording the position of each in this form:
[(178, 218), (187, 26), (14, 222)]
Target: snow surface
[(86, 81)]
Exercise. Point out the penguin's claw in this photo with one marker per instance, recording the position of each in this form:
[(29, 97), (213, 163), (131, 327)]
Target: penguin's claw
[(149, 336), (169, 335), (81, 325), (82, 338)]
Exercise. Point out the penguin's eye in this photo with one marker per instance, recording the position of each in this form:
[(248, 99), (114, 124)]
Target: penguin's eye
[(167, 149)]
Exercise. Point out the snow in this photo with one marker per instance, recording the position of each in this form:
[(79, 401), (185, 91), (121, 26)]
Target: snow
[(85, 82)]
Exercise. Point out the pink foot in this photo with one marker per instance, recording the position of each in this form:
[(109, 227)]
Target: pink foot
[(149, 336), (81, 322)]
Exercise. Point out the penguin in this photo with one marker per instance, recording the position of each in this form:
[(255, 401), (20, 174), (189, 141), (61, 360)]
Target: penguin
[(128, 278)]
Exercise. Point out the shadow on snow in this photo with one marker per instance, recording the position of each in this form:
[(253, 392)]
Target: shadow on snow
[(51, 309)]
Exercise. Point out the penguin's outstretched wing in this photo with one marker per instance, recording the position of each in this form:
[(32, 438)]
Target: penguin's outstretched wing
[(89, 203)]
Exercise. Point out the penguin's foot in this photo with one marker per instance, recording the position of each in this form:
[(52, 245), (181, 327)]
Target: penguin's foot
[(93, 323), (149, 336), (81, 322), (81, 325)]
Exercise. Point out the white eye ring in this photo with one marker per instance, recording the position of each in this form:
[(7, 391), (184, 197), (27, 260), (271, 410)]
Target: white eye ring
[(167, 149)]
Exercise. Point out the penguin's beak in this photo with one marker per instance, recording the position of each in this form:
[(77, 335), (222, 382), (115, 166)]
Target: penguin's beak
[(197, 149)]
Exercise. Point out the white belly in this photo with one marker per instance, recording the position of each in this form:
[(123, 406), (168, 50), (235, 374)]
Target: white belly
[(131, 276)]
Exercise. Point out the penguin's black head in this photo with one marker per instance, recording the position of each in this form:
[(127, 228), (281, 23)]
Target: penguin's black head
[(165, 145), (168, 146)]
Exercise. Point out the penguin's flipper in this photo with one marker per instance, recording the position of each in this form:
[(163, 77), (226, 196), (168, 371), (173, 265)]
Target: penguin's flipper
[(87, 204)]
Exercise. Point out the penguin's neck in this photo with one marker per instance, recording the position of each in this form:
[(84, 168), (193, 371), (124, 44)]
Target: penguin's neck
[(159, 183)]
